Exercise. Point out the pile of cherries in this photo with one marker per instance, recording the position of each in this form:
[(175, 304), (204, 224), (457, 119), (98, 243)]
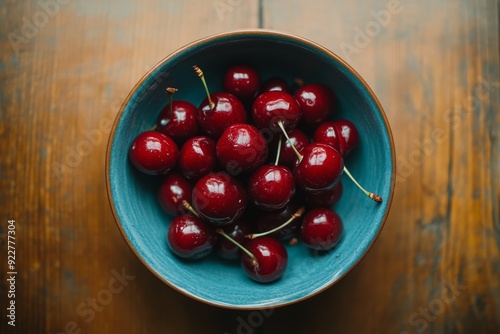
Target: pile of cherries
[(252, 167)]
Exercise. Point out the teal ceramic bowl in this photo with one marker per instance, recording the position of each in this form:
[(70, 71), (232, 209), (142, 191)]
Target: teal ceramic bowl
[(212, 280)]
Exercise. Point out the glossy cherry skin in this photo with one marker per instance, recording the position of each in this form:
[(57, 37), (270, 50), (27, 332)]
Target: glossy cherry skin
[(341, 135), (153, 153), (321, 229), (271, 259), (237, 231), (268, 220), (287, 155), (197, 157), (219, 198), (325, 199), (241, 148), (182, 124), (319, 169), (271, 187), (190, 237), (275, 84), (227, 110), (271, 107), (242, 81), (317, 102), (172, 191)]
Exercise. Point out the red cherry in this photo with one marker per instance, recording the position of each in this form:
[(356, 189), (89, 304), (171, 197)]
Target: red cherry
[(173, 190), (287, 155), (269, 108), (269, 262), (190, 237), (321, 229), (197, 157), (219, 198), (275, 84), (317, 102), (319, 169), (341, 135), (271, 187), (237, 231), (242, 81), (240, 148), (178, 120), (324, 199), (227, 110), (153, 153)]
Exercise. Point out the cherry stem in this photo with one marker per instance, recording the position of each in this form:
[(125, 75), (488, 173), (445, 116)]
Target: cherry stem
[(188, 207), (282, 127), (237, 244), (296, 215), (279, 151), (171, 91), (199, 72), (373, 196)]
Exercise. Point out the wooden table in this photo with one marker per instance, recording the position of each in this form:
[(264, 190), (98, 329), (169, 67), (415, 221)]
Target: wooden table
[(65, 68)]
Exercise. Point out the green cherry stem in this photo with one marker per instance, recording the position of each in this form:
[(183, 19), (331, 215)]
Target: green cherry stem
[(373, 196), (237, 244), (282, 127), (278, 151), (171, 91), (296, 215), (199, 72), (188, 207)]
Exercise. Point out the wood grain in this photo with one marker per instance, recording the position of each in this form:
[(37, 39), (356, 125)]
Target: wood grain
[(66, 67)]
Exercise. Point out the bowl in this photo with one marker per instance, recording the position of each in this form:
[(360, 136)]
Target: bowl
[(223, 283)]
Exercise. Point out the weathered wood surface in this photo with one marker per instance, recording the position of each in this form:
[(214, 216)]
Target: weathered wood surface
[(65, 68)]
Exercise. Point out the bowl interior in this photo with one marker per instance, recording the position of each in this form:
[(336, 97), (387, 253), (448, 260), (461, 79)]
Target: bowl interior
[(220, 282)]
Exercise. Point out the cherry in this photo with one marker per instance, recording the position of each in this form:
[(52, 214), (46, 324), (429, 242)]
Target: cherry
[(317, 102), (190, 237), (275, 84), (242, 81), (270, 109), (178, 119), (153, 153), (324, 199), (240, 148), (298, 139), (341, 135), (219, 198), (271, 187), (319, 168), (237, 231), (219, 110), (197, 157), (173, 190), (269, 260), (321, 229), (282, 224)]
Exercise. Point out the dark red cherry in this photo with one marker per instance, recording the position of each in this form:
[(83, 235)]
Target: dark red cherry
[(325, 199), (269, 262), (271, 187), (341, 135), (237, 231), (242, 81), (317, 102), (319, 169), (240, 148), (275, 84), (227, 110), (321, 229), (190, 237), (269, 108), (172, 191), (197, 157), (268, 220), (287, 156), (178, 120), (153, 153), (219, 198)]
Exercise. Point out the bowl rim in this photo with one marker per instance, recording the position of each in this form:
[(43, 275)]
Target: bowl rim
[(249, 32)]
